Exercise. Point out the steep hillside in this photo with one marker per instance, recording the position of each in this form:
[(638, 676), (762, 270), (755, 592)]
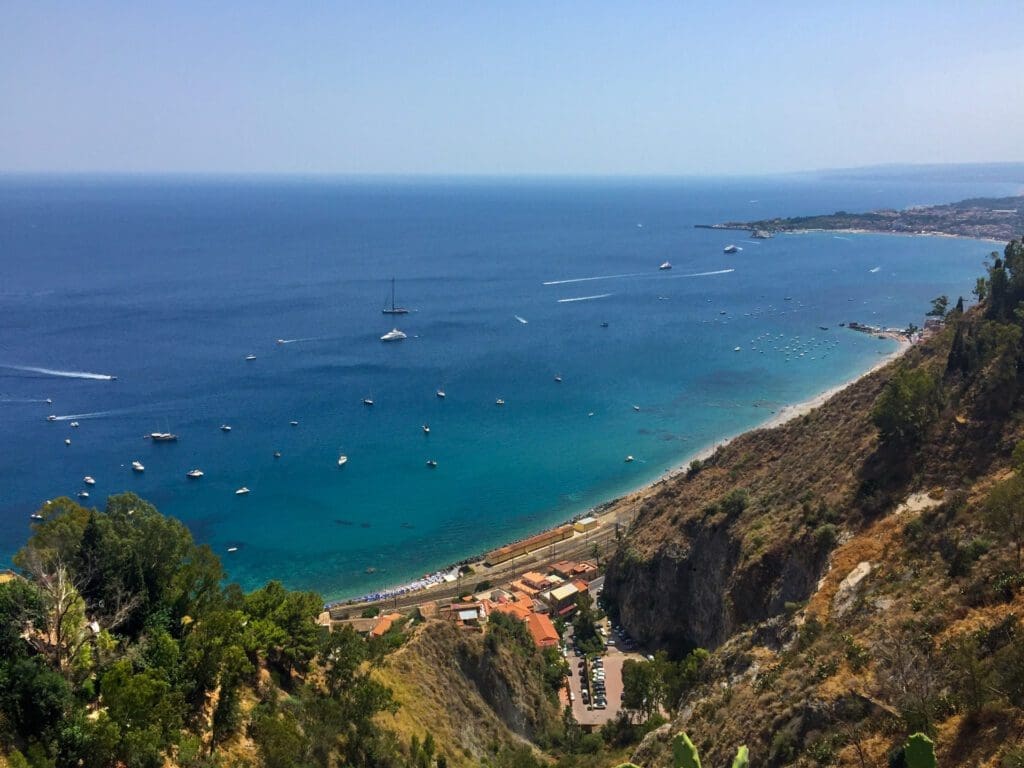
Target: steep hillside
[(856, 571), (474, 695)]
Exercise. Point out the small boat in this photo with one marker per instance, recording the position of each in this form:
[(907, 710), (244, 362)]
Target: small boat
[(35, 516), (426, 429), (51, 417), (822, 327), (367, 401), (225, 428), (162, 437), (393, 335), (83, 494), (194, 474), (591, 413), (735, 349), (441, 394), (558, 379), (49, 401), (241, 491), (499, 401), (74, 424), (604, 325), (137, 466), (394, 310), (250, 357), (88, 480), (294, 423), (232, 549), (280, 341), (629, 459), (636, 407), (342, 460), (67, 441), (730, 249), (665, 265), (431, 463), (277, 454)]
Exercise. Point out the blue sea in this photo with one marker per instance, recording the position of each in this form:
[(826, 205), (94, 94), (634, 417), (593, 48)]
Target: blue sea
[(170, 283)]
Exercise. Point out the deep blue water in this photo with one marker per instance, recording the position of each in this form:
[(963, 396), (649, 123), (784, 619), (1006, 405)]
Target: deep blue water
[(169, 283)]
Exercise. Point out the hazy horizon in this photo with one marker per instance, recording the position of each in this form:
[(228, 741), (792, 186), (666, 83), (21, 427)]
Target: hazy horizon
[(467, 90)]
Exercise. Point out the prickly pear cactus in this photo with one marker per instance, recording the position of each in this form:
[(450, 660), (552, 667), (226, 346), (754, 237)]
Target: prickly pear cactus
[(684, 754), (919, 752)]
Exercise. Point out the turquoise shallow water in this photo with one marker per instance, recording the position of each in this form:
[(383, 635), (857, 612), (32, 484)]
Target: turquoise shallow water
[(169, 283)]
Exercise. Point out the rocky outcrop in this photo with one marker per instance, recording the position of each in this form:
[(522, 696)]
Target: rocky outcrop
[(700, 588)]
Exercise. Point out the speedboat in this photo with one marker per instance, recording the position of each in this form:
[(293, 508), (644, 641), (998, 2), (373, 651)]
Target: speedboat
[(558, 379), (88, 480), (137, 466), (162, 437), (250, 357), (735, 349), (636, 407), (393, 335), (431, 463), (730, 249), (499, 401), (294, 423), (426, 429), (441, 394), (342, 460), (67, 441), (277, 454), (49, 401), (241, 491), (629, 459), (367, 401), (225, 428), (35, 516), (194, 474), (83, 494), (280, 341), (74, 424), (232, 549), (665, 265), (51, 417)]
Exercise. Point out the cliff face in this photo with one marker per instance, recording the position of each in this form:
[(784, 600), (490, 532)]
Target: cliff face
[(699, 593), (733, 543)]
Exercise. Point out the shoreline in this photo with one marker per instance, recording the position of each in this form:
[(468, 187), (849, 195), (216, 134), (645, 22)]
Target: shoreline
[(611, 510), (856, 231)]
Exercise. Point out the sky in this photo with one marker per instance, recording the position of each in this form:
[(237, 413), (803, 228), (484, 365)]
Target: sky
[(509, 88)]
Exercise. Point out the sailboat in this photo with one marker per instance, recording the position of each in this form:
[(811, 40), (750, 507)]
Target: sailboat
[(393, 310)]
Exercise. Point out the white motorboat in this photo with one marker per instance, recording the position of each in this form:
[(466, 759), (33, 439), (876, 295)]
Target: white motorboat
[(232, 549), (250, 357), (83, 494), (367, 401), (629, 459), (665, 265), (636, 407), (431, 463), (74, 424), (393, 335), (35, 516), (137, 466), (441, 394), (294, 423), (342, 460), (558, 379), (730, 248), (241, 491), (51, 417), (88, 480), (162, 437), (67, 441), (426, 429), (225, 428), (499, 401), (194, 474)]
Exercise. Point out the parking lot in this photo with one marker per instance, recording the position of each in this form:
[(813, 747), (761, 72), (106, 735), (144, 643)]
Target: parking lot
[(583, 708)]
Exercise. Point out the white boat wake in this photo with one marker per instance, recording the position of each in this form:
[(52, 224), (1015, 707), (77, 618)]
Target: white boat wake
[(80, 416), (874, 270), (584, 298), (62, 374), (707, 274), (588, 279), (522, 320)]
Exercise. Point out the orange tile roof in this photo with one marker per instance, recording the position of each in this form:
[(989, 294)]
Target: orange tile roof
[(520, 611), (384, 624), (542, 630)]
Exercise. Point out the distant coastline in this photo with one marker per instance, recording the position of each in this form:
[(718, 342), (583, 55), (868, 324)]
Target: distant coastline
[(995, 219)]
